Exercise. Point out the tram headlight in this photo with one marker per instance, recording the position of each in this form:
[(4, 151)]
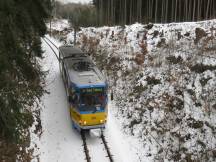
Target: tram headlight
[(80, 121), (101, 121), (84, 122)]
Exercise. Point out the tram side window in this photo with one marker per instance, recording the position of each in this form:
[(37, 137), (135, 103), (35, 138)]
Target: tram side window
[(73, 97), (64, 71), (59, 55)]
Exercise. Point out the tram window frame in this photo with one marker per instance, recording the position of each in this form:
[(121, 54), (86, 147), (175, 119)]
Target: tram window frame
[(74, 97), (95, 103), (71, 93), (59, 55), (64, 73)]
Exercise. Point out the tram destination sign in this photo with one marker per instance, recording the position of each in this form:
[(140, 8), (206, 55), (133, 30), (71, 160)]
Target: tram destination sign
[(92, 90)]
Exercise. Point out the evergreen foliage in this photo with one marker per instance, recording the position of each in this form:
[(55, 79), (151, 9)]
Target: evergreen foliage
[(80, 15), (83, 16), (22, 23)]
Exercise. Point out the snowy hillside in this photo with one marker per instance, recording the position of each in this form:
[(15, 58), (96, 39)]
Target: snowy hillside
[(164, 81)]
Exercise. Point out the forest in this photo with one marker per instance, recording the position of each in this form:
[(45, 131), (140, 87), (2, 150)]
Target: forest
[(120, 12)]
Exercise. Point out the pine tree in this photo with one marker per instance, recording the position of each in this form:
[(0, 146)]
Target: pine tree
[(22, 24), (83, 16)]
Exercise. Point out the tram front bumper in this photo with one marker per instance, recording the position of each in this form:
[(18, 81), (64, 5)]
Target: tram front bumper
[(101, 126)]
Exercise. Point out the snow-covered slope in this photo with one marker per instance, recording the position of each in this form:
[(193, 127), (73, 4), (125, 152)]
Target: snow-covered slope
[(164, 81)]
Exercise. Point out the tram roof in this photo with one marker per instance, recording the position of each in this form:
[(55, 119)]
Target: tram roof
[(81, 69), (68, 51)]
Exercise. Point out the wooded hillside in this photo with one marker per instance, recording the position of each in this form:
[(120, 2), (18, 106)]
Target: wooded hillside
[(111, 12)]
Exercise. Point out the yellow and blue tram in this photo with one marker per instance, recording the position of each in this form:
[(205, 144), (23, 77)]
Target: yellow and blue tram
[(86, 89)]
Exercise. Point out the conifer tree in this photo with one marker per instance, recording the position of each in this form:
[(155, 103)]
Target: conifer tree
[(22, 23), (82, 16)]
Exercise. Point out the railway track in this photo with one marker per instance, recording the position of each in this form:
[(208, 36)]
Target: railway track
[(88, 158), (86, 150), (106, 147), (47, 40), (51, 42)]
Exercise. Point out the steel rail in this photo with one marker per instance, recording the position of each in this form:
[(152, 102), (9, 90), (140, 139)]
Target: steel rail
[(106, 147), (86, 151), (51, 48), (51, 42)]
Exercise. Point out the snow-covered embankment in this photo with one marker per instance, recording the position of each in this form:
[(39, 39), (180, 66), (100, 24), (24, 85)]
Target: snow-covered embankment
[(164, 82)]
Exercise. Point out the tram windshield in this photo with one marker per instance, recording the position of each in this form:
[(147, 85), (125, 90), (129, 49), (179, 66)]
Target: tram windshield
[(92, 98)]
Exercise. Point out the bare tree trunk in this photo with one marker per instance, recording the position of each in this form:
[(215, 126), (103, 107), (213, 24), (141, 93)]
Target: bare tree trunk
[(176, 9), (207, 9), (101, 13), (166, 13), (198, 9), (114, 14), (194, 10), (149, 9), (156, 7), (185, 15), (121, 12), (172, 12), (125, 15), (213, 8), (189, 10), (130, 11), (140, 12), (137, 10), (162, 11), (180, 11)]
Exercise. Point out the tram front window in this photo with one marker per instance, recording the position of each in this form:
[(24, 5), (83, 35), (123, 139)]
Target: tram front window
[(91, 99)]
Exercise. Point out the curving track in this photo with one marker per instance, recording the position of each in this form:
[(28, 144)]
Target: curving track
[(89, 143)]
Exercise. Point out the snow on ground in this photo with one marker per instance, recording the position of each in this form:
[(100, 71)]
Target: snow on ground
[(58, 25), (164, 81), (59, 141), (124, 146), (74, 1), (164, 78)]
